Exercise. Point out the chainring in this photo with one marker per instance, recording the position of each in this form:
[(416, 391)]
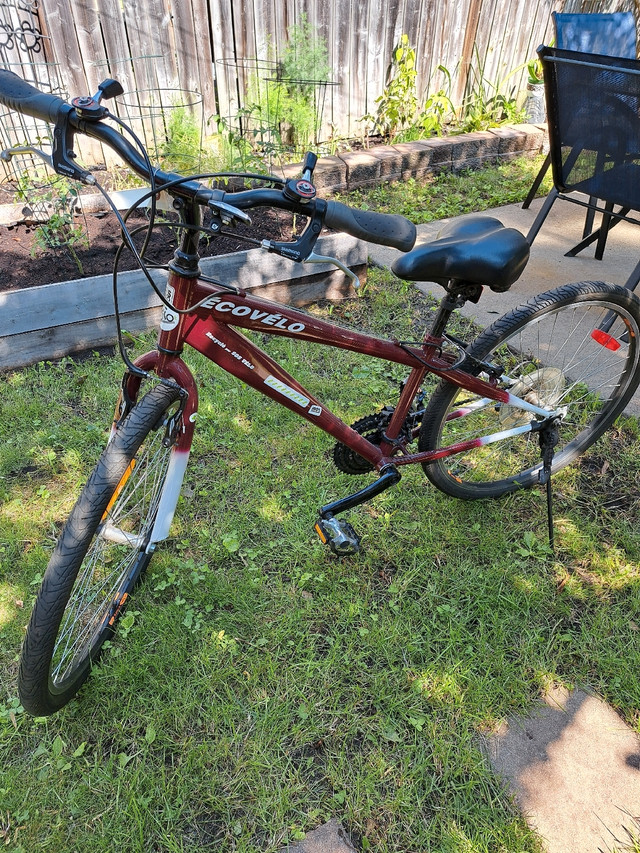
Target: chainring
[(372, 428)]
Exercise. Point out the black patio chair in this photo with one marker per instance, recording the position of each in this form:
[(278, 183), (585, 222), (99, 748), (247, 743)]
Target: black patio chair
[(612, 34), (593, 112)]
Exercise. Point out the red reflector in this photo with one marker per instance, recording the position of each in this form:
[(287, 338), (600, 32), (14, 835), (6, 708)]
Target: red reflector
[(605, 340)]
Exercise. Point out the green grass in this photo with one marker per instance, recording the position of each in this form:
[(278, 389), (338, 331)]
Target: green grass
[(262, 686), (454, 193)]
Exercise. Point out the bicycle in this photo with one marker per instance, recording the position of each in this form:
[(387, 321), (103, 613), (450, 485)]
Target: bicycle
[(519, 403)]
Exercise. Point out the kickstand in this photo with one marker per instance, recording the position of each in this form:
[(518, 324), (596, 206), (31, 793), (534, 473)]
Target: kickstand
[(550, 516), (549, 437)]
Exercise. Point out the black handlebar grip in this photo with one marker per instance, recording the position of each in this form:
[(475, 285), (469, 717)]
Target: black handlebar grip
[(383, 228), (21, 96)]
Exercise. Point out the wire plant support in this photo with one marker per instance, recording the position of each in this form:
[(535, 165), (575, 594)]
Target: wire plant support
[(168, 119), (272, 115)]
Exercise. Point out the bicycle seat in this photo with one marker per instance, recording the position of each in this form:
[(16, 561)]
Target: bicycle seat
[(479, 250)]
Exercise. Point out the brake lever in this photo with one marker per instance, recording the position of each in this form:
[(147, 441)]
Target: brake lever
[(325, 259), (301, 249), (8, 153)]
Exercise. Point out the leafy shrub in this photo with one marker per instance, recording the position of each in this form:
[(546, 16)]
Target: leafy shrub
[(400, 115)]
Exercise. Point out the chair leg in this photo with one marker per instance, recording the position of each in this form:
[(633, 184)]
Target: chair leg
[(542, 215), (605, 225), (535, 185), (596, 235), (632, 282), (589, 218)]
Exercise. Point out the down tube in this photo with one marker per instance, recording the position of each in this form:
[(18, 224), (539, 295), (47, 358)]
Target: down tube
[(242, 358)]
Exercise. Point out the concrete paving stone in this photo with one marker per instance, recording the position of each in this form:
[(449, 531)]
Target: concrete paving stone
[(328, 838), (574, 768), (471, 150), (363, 169)]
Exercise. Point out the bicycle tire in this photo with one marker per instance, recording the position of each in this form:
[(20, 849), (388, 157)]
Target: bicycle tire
[(548, 351), (100, 556)]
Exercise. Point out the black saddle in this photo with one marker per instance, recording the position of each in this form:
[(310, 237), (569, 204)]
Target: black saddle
[(478, 250)]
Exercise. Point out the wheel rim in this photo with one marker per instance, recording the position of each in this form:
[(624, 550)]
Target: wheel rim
[(556, 362), (112, 562)]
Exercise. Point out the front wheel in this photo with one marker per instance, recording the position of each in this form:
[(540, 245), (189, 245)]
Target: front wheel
[(554, 353), (101, 554)]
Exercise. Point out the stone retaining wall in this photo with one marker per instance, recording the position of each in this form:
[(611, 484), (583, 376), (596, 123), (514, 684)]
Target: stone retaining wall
[(355, 169), (369, 167)]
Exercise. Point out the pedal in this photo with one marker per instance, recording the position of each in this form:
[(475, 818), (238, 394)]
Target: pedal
[(338, 535)]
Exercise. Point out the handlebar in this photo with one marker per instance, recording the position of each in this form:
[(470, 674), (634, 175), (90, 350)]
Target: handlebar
[(21, 96), (382, 228)]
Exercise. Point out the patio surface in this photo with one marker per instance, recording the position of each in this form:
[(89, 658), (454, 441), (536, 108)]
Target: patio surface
[(548, 267)]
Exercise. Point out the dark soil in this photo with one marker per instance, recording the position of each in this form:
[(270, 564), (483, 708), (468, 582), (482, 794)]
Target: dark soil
[(24, 264)]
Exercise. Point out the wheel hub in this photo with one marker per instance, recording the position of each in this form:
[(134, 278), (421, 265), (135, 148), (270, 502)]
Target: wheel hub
[(543, 387)]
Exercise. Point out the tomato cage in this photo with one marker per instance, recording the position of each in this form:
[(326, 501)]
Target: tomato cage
[(268, 115)]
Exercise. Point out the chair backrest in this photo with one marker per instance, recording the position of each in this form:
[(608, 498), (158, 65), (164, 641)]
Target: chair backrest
[(593, 109), (612, 34)]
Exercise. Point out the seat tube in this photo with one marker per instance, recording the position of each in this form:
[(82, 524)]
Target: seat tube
[(183, 270)]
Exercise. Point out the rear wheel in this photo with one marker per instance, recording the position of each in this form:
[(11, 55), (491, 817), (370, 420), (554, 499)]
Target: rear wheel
[(101, 554), (552, 353)]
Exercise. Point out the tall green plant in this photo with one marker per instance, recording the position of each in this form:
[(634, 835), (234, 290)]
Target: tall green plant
[(182, 145), (283, 111), (400, 115), (292, 101), (398, 104), (487, 103), (305, 58)]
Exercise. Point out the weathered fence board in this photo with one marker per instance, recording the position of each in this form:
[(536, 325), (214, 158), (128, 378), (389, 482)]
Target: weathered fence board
[(210, 46)]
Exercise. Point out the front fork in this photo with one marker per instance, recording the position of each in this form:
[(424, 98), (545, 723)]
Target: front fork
[(166, 365), (178, 434)]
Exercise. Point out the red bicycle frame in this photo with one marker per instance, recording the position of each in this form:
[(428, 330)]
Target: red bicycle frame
[(206, 316), (208, 329)]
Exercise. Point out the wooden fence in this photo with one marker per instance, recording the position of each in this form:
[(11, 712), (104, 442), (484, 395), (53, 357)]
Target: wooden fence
[(158, 48)]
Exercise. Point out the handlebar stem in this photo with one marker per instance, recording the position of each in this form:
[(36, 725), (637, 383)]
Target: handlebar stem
[(186, 259)]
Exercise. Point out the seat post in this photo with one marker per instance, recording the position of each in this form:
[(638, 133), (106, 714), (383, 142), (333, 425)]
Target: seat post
[(458, 292)]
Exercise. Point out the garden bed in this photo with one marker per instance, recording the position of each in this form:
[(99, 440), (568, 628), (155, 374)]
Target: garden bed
[(53, 320), (65, 314)]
